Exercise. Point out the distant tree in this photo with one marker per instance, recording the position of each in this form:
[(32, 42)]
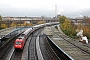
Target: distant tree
[(86, 26), (86, 20), (0, 21), (13, 24), (24, 23), (30, 24), (67, 27), (62, 19), (41, 22), (4, 26), (0, 18)]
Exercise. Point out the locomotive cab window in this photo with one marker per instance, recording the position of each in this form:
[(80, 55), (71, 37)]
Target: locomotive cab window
[(18, 43)]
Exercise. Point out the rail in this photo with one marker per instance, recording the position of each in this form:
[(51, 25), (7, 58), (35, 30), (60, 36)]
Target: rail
[(64, 53)]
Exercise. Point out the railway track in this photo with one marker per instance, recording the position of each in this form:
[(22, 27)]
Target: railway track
[(7, 46), (83, 47), (16, 55), (47, 51), (43, 51), (32, 55), (4, 50), (73, 47)]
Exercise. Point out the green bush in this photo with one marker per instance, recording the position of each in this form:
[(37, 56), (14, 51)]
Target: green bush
[(67, 27)]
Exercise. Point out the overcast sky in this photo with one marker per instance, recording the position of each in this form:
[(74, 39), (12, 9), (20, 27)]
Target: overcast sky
[(69, 8)]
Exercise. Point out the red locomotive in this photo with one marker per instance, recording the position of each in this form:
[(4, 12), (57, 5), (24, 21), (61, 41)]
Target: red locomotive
[(20, 41)]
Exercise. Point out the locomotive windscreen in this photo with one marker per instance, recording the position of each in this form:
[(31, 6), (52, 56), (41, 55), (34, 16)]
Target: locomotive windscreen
[(18, 43)]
